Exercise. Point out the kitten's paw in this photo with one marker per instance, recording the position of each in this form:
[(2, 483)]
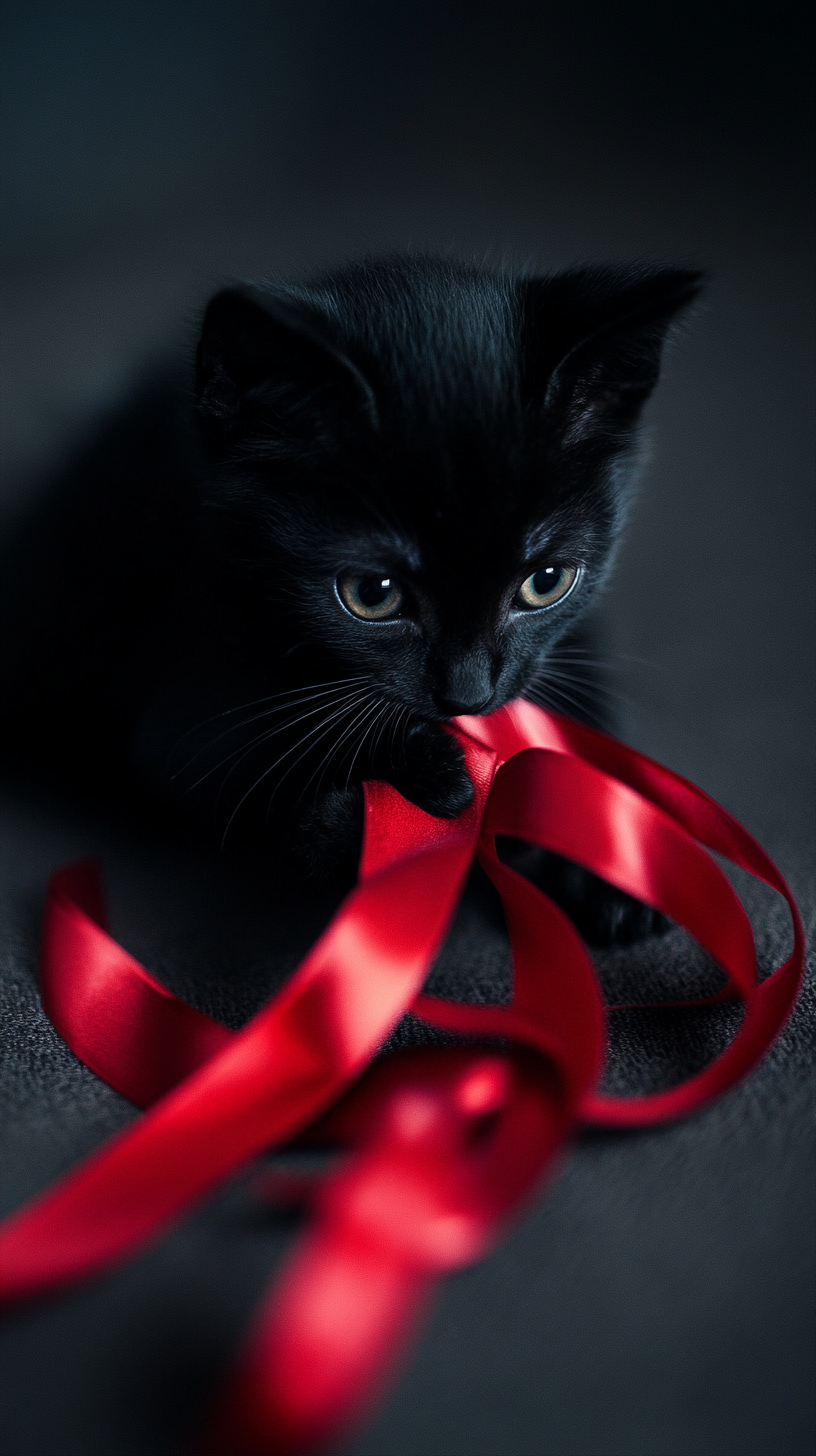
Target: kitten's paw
[(433, 774), (604, 915), (612, 917)]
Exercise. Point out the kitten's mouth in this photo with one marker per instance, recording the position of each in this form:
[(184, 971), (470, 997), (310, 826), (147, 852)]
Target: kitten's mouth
[(450, 708)]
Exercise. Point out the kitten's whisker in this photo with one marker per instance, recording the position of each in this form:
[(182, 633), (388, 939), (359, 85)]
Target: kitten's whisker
[(612, 653), (296, 695), (302, 696), (242, 750), (544, 694), (585, 683), (387, 715), (349, 729), (337, 713), (363, 738), (273, 697), (382, 721), (395, 727), (588, 662), (540, 693), (590, 684), (392, 729), (318, 773), (404, 731), (325, 726), (572, 674), (557, 659), (321, 769)]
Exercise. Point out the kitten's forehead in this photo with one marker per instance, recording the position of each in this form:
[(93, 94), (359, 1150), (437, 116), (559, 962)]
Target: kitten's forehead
[(465, 453), (438, 344), (455, 539)]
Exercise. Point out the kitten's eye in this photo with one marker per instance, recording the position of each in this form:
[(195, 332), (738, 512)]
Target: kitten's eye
[(372, 598), (548, 585)]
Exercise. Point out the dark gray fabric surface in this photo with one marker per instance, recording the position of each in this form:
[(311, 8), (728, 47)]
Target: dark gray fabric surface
[(657, 1298)]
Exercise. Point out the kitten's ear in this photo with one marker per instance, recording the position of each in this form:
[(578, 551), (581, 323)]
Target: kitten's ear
[(259, 355), (594, 339)]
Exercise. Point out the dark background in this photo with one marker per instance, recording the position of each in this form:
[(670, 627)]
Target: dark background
[(656, 1303)]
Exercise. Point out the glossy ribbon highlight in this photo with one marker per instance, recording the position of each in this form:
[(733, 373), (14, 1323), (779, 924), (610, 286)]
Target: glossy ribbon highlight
[(446, 1141)]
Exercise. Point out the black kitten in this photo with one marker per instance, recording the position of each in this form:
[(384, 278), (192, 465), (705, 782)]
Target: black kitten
[(392, 499)]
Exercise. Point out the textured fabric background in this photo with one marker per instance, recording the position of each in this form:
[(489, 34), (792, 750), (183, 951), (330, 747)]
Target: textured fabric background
[(657, 1297)]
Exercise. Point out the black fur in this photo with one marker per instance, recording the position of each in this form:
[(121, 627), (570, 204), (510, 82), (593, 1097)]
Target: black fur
[(451, 428)]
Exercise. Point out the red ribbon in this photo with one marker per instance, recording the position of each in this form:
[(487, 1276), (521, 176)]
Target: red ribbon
[(448, 1140)]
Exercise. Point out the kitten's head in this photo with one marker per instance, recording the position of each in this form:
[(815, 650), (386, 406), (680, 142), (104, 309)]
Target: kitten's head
[(428, 464)]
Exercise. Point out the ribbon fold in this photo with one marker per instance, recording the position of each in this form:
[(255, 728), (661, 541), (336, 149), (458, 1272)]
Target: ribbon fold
[(448, 1141)]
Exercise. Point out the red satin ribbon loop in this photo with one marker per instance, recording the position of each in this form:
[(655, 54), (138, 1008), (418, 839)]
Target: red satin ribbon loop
[(119, 1020), (446, 1141), (568, 806)]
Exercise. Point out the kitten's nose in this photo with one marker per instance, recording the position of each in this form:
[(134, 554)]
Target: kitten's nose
[(464, 682)]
